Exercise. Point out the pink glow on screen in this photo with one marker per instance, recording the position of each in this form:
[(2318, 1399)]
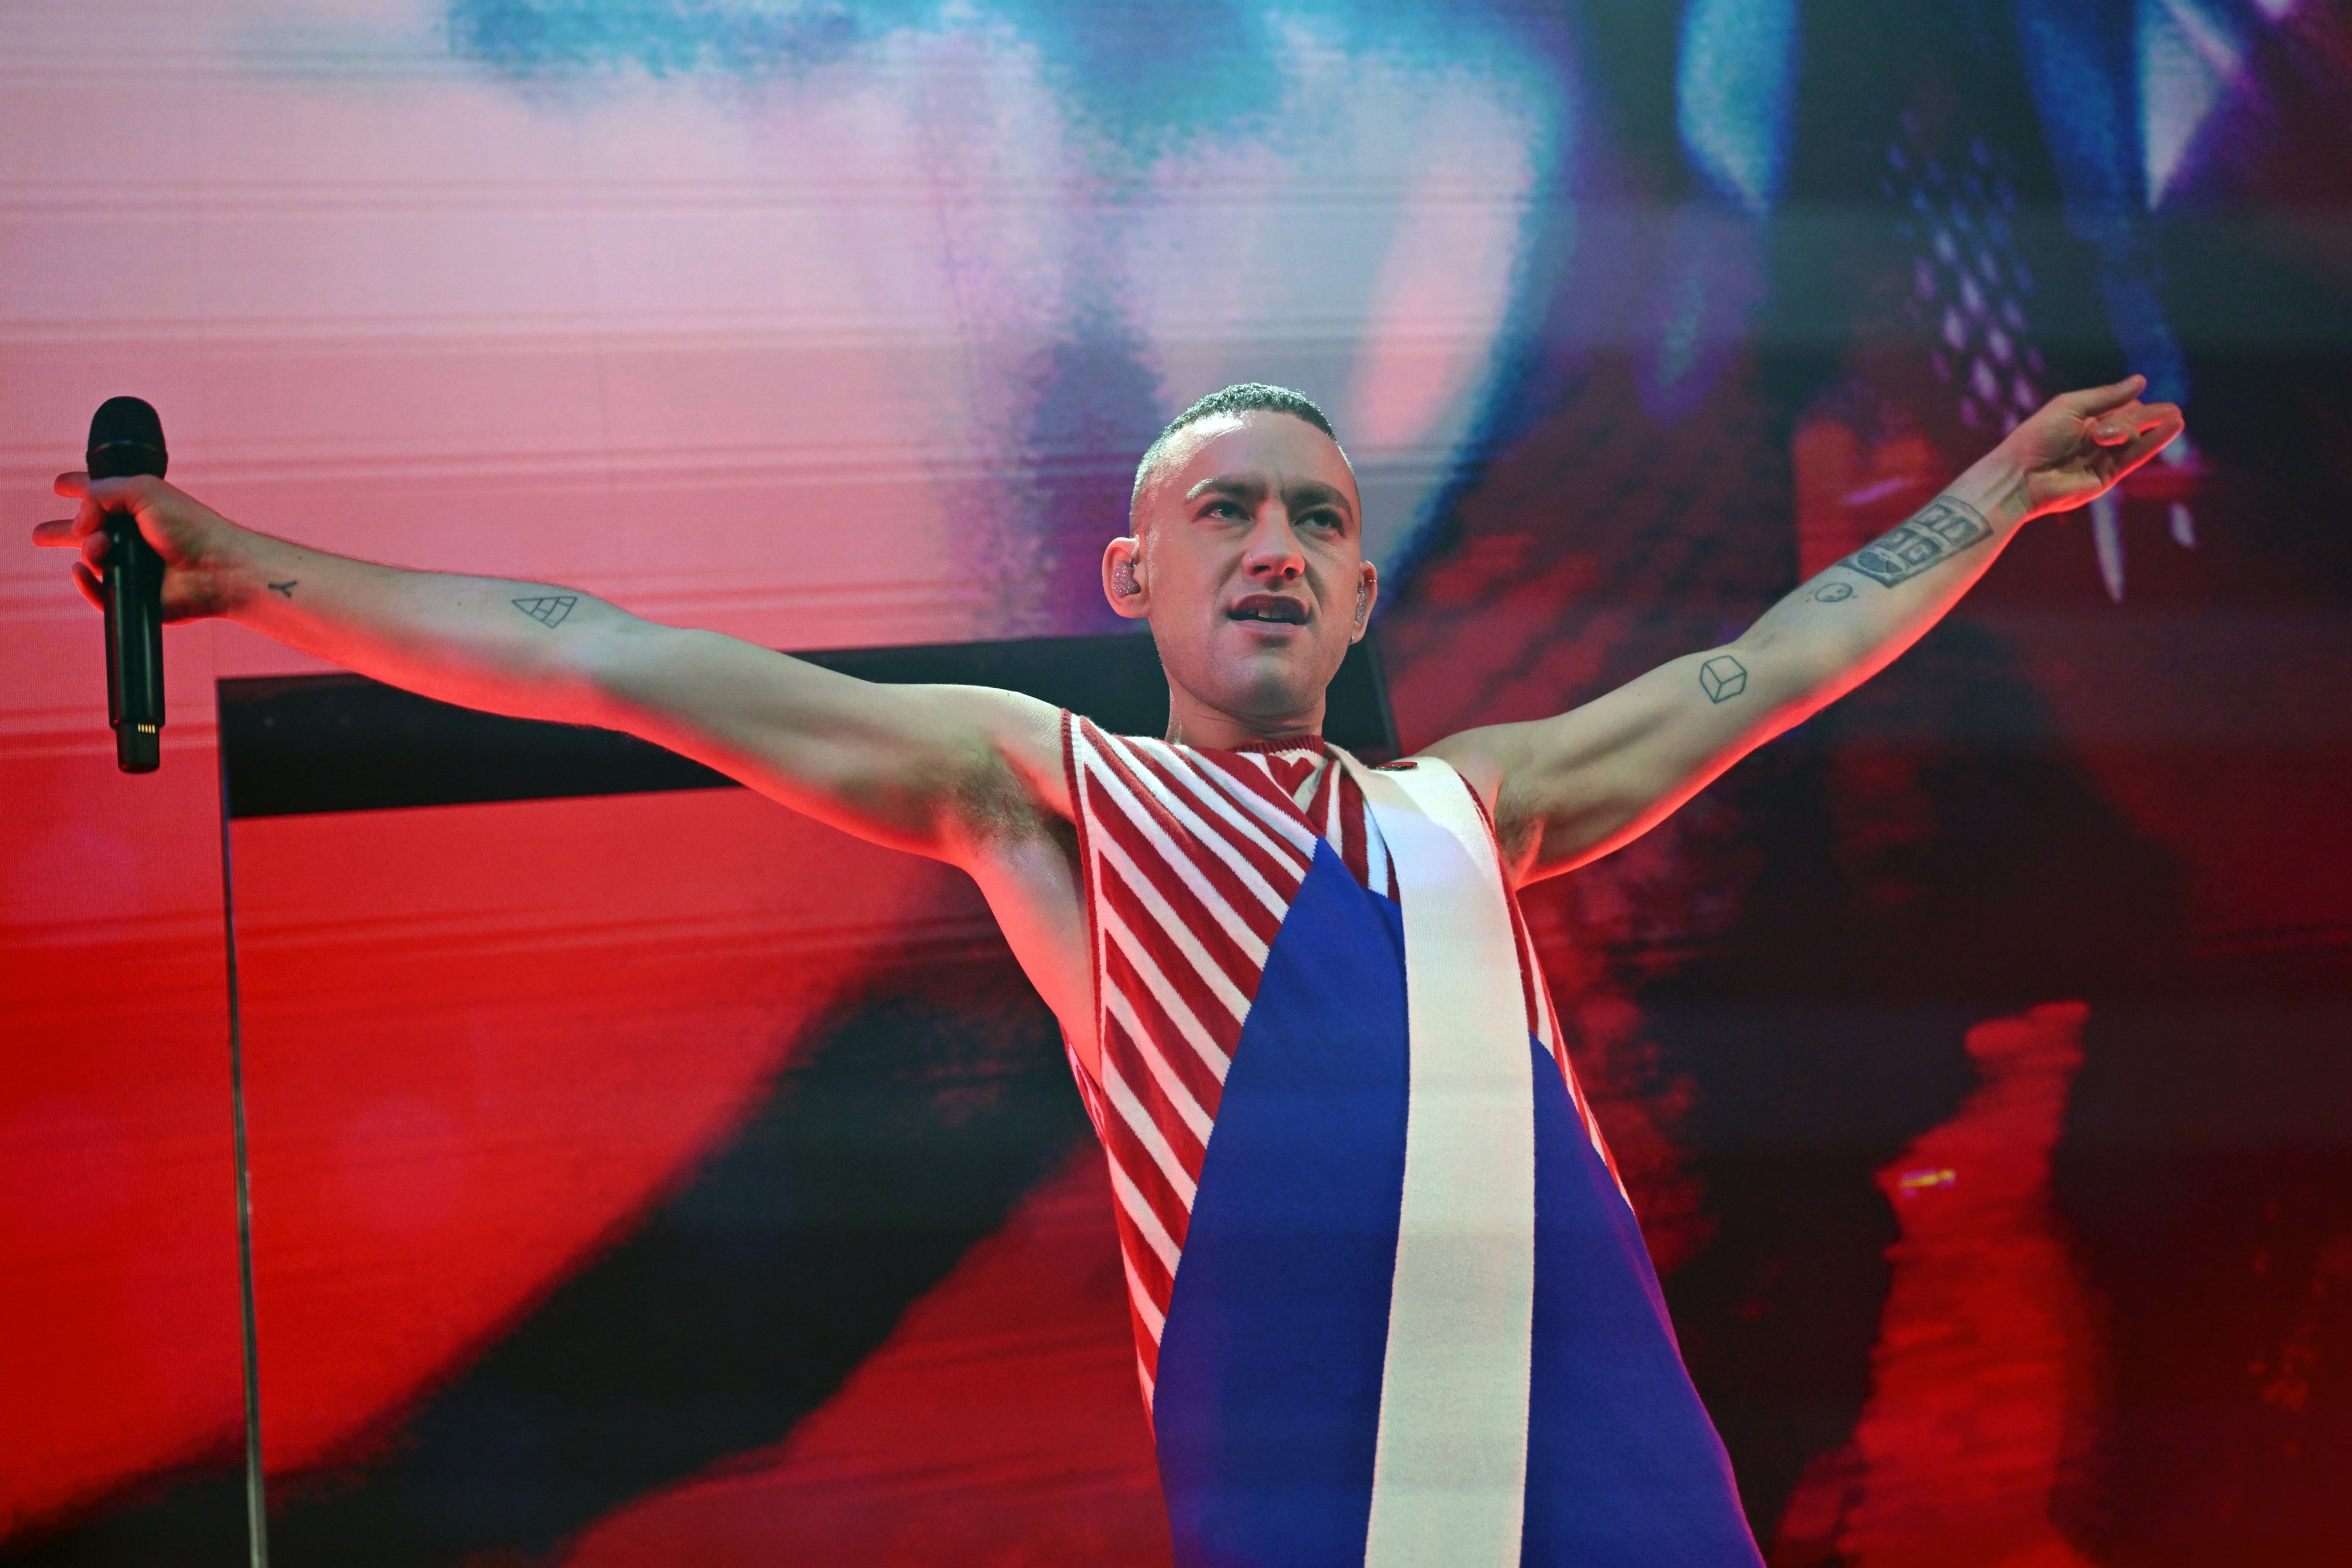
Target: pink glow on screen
[(755, 359), (812, 355)]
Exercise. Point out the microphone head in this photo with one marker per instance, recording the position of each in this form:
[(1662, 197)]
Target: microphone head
[(126, 438)]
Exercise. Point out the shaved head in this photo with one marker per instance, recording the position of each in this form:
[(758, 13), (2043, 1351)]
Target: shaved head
[(1246, 558), (1243, 397)]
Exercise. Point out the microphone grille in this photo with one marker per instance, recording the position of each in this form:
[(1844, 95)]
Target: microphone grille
[(126, 437)]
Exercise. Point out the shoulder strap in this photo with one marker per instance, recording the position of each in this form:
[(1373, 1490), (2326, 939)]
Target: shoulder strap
[(1450, 1462), (1446, 796), (1429, 789)]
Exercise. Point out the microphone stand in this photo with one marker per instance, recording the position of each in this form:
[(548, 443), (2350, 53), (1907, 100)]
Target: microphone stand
[(256, 1503)]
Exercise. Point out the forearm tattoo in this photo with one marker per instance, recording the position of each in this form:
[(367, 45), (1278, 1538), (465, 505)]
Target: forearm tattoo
[(1722, 678), (1943, 529), (549, 610), (285, 588)]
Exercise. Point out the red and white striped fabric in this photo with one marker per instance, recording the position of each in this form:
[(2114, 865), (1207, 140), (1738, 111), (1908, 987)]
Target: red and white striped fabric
[(1192, 859)]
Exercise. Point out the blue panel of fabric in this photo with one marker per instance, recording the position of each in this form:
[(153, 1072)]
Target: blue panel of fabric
[(1268, 1399), (1623, 1466)]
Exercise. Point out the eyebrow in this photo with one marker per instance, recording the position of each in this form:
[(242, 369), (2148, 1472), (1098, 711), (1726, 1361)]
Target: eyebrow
[(1300, 496)]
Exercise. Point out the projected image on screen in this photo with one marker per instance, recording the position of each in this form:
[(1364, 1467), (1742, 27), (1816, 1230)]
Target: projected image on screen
[(642, 1174)]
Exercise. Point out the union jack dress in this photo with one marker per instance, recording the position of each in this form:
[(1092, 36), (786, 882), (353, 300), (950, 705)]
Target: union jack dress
[(1390, 1303)]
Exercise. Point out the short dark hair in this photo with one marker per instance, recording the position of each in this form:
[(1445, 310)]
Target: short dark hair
[(1242, 398)]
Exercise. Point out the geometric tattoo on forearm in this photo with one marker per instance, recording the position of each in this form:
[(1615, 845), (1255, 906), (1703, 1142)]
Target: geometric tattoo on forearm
[(1943, 529), (549, 611), (1722, 678)]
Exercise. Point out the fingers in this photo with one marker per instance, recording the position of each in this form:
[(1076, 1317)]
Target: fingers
[(83, 530), (2162, 424), (2134, 420), (2115, 429), (79, 486), (61, 532), (86, 528), (2094, 401)]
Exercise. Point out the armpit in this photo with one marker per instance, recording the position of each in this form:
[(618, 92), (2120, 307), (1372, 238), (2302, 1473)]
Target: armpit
[(1519, 830), (993, 804)]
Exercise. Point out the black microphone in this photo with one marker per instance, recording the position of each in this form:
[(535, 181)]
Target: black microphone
[(126, 439)]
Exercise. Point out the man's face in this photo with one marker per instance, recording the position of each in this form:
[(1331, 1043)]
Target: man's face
[(1249, 563)]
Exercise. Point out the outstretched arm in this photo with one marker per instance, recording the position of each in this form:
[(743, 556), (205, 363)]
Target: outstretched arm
[(1571, 789), (938, 770)]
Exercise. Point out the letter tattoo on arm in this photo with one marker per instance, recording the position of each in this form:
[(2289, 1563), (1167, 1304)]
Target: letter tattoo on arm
[(1722, 678), (549, 610), (1944, 528), (286, 588)]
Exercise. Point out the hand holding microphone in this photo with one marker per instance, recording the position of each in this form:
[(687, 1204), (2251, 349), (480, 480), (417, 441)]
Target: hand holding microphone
[(126, 438), (123, 573)]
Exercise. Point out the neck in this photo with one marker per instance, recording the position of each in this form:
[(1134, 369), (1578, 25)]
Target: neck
[(1191, 722)]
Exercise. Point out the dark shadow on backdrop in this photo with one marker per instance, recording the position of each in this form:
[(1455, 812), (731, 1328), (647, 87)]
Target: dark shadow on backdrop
[(914, 1120), (1931, 858)]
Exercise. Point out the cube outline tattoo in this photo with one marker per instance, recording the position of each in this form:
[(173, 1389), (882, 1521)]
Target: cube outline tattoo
[(1722, 678)]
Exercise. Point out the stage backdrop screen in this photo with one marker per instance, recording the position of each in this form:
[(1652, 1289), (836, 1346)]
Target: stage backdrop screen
[(648, 1177)]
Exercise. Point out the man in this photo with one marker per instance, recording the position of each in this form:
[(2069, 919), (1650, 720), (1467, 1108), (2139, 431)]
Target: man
[(1390, 1303)]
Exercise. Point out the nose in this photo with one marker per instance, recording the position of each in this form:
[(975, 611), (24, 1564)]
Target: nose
[(1271, 553)]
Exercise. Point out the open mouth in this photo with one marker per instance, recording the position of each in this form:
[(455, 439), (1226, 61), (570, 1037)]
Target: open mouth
[(1269, 607)]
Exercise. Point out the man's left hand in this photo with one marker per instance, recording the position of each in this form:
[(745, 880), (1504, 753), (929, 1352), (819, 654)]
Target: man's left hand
[(2080, 443)]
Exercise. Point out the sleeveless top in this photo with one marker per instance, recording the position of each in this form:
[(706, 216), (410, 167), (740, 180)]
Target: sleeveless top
[(1390, 1303)]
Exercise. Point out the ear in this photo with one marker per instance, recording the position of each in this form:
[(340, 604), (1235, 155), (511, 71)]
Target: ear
[(1124, 582), (1368, 594)]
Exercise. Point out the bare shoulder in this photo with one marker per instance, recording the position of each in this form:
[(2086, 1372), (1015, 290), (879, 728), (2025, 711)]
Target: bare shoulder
[(1566, 790), (1018, 779), (1011, 831), (1481, 756), (1485, 757)]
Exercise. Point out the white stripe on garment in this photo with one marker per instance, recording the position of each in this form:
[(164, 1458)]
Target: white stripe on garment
[(1151, 1316), (1302, 793), (1258, 809), (1376, 874), (1547, 1031), (1547, 1028), (1191, 811), (1221, 990), (1186, 872), (1214, 792), (1212, 973), (1138, 1209), (1147, 1133), (1173, 1005), (1179, 1093), (1088, 1093), (1449, 1469)]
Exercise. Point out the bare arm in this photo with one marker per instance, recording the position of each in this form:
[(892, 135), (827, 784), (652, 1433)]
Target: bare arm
[(942, 771), (1568, 790)]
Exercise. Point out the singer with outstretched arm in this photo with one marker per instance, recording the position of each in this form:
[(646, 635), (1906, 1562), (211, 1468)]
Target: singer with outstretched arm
[(1389, 1302)]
